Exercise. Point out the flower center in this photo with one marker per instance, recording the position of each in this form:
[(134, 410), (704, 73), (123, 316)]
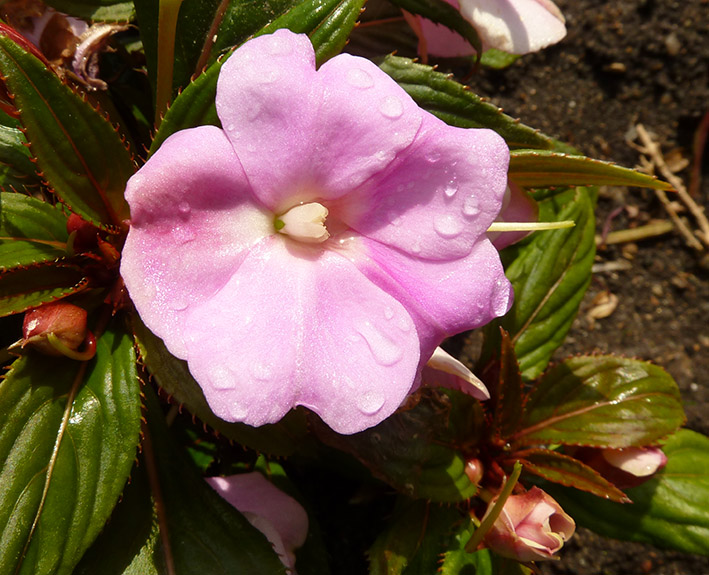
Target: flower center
[(305, 223)]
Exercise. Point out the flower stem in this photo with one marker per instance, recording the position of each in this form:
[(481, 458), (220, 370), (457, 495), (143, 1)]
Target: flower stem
[(167, 27), (494, 513)]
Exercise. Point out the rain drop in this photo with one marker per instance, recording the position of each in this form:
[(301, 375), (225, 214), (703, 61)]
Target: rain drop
[(447, 226), (450, 190), (470, 207), (359, 78), (370, 402), (184, 209), (230, 128), (238, 412), (221, 378), (388, 313), (391, 107), (261, 371), (416, 248), (433, 156), (385, 351)]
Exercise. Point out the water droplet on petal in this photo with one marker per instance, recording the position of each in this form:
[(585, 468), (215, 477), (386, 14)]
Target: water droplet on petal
[(359, 78), (370, 402), (178, 304), (385, 351), (388, 313), (500, 298), (450, 189), (278, 46), (269, 75), (433, 156), (230, 128), (221, 377), (447, 226), (184, 209), (261, 371), (238, 412), (416, 248), (471, 207), (391, 107)]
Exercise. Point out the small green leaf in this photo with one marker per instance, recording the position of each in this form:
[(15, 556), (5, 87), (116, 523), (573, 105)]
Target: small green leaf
[(418, 451), (327, 22), (67, 443), (31, 231), (27, 287), (443, 13), (602, 401), (550, 273), (671, 510), (173, 376), (537, 169), (78, 151), (95, 10), (497, 59), (458, 106), (566, 470)]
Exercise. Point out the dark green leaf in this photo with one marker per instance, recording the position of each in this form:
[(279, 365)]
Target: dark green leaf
[(95, 10), (30, 231), (602, 401), (173, 376), (550, 273), (16, 167), (458, 106), (483, 562), (670, 510), (443, 13), (28, 287), (78, 151), (68, 440), (415, 537), (566, 470), (536, 169), (419, 451)]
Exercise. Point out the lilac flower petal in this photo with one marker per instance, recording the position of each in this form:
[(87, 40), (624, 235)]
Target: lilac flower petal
[(515, 26), (192, 217), (443, 370), (277, 515), (438, 197), (307, 135), (309, 329), (444, 297)]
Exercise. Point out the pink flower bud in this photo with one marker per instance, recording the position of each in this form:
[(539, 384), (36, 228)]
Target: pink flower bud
[(531, 527), (65, 321), (628, 467)]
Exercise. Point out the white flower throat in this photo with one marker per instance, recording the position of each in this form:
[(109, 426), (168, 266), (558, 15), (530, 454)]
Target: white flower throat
[(305, 223)]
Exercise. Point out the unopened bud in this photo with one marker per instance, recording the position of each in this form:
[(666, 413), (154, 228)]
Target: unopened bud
[(474, 470), (57, 329)]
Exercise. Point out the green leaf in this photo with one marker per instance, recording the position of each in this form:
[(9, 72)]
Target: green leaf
[(671, 510), (550, 273), (27, 287), (68, 440), (566, 470), (415, 537), (95, 10), (536, 169), (78, 151), (31, 231), (456, 105), (327, 22), (173, 376), (602, 401), (16, 167), (483, 562), (443, 13), (419, 451), (497, 59)]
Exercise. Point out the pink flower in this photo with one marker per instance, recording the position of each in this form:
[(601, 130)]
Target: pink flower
[(514, 26), (531, 527), (317, 249), (278, 516), (627, 467)]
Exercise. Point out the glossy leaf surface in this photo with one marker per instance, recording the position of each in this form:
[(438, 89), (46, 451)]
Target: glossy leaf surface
[(550, 273), (458, 106), (79, 152), (537, 169), (30, 231), (95, 10), (68, 441), (602, 401), (671, 510), (16, 167)]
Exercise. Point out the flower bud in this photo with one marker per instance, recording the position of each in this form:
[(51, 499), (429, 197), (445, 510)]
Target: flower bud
[(531, 527), (64, 321), (627, 467)]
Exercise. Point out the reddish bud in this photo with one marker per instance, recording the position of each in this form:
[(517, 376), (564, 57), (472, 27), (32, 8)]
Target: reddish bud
[(531, 527), (64, 321), (626, 467), (474, 470)]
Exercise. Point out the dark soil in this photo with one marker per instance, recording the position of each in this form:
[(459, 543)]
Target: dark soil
[(623, 63)]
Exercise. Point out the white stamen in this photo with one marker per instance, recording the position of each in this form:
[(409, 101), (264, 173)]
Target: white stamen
[(529, 226), (305, 223)]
